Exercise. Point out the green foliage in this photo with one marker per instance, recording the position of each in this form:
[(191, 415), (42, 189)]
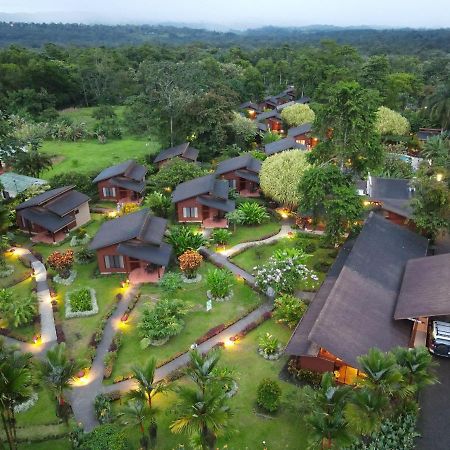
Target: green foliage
[(170, 283), (270, 136), (162, 321), (173, 173), (280, 175), (80, 300), (184, 238), (243, 130), (159, 203), (253, 213), (289, 310), (85, 255), (82, 181), (103, 410), (18, 311), (219, 282), (439, 104), (437, 149), (268, 395), (391, 122), (221, 236), (269, 344), (307, 376), (104, 437), (394, 167), (31, 162), (103, 112), (297, 114)]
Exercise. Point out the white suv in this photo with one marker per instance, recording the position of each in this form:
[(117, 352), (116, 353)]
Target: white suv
[(440, 339)]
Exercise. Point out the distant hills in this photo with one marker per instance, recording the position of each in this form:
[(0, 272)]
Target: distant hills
[(368, 40)]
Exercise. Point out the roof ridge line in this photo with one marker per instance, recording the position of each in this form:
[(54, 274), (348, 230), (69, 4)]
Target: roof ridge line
[(143, 227)]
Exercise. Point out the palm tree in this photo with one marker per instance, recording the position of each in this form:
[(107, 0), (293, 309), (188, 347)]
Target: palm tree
[(137, 412), (439, 104), (364, 411), (417, 366), (31, 162), (15, 387), (58, 371), (147, 386), (203, 413), (328, 424), (437, 149)]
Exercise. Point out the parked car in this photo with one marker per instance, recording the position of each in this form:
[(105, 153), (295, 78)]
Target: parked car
[(439, 343)]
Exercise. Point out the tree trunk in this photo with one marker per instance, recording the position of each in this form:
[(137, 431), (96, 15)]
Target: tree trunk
[(7, 432), (171, 130)]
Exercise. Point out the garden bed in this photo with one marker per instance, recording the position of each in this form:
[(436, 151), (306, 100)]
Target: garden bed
[(81, 303)]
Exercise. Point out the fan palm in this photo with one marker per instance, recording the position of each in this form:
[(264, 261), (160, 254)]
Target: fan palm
[(58, 370), (136, 411), (203, 413), (437, 148), (15, 387), (439, 104), (417, 366), (147, 386)]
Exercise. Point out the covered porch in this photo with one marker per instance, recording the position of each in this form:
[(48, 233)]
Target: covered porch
[(143, 275), (215, 222), (47, 237)]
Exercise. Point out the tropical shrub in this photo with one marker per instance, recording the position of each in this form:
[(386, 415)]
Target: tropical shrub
[(85, 255), (80, 233), (190, 262), (103, 410), (236, 217), (17, 311), (128, 208), (282, 272), (170, 283), (221, 236), (268, 395), (160, 204), (270, 137), (269, 344), (297, 114), (394, 167), (162, 321), (80, 300), (103, 437), (243, 130), (289, 310), (253, 213), (321, 266), (219, 282), (61, 262), (307, 376), (4, 245), (184, 238), (391, 122)]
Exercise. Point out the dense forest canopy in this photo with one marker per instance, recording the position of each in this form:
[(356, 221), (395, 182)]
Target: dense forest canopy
[(369, 41)]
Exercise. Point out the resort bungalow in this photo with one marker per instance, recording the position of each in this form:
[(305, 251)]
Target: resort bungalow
[(133, 244), (272, 119), (355, 308), (251, 109), (392, 197), (49, 216), (13, 184), (282, 145), (183, 151), (123, 183), (425, 133), (204, 200), (302, 135), (269, 102), (242, 174), (300, 101)]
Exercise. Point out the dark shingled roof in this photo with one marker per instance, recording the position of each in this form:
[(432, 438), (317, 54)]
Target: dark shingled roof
[(268, 115), (239, 162), (159, 255), (249, 105), (44, 197), (140, 225), (129, 169), (248, 175), (394, 193), (183, 150), (66, 202), (192, 188), (358, 313), (46, 219), (282, 145), (425, 288), (218, 203), (126, 183), (301, 129)]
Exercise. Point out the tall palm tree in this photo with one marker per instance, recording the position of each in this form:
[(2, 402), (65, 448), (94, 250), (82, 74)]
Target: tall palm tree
[(439, 104), (203, 413), (364, 411), (58, 371), (147, 386), (137, 411), (328, 424), (15, 387), (417, 366)]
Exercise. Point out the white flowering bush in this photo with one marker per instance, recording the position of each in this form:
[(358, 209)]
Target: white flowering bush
[(76, 241), (25, 406), (283, 271), (66, 281), (6, 271), (77, 297)]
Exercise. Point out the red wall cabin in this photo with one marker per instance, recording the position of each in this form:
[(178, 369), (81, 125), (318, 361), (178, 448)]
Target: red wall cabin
[(107, 191)]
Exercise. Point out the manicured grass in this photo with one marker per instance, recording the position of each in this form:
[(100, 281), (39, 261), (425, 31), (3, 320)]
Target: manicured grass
[(283, 430), (19, 270), (85, 114), (54, 444), (90, 156), (197, 322), (257, 255), (41, 413), (253, 232)]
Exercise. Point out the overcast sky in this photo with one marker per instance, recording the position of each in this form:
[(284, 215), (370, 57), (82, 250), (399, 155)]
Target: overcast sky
[(240, 13)]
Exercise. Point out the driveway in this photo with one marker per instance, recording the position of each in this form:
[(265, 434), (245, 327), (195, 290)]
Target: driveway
[(434, 419)]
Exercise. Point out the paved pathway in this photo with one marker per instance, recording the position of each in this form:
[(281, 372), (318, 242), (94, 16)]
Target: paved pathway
[(82, 396)]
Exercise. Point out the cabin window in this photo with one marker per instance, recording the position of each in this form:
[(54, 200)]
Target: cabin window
[(109, 192), (114, 262), (190, 212), (232, 184)]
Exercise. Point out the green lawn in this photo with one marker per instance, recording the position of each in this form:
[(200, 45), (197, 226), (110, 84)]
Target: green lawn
[(19, 270), (283, 430), (198, 322), (254, 232), (54, 444), (90, 156), (85, 114), (257, 255)]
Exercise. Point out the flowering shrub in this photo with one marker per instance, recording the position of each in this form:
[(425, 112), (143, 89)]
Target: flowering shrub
[(289, 310), (282, 272), (61, 262), (190, 262), (128, 208)]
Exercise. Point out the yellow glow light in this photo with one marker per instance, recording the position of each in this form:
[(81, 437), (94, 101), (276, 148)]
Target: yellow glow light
[(439, 176), (229, 343)]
